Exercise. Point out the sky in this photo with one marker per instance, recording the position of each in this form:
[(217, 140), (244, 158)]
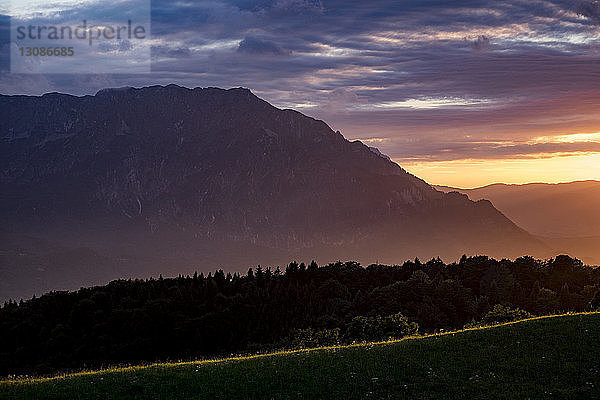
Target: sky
[(460, 93)]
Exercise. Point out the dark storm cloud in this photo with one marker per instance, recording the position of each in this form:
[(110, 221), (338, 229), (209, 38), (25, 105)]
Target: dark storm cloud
[(423, 69)]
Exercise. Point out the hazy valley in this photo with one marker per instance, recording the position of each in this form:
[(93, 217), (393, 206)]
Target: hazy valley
[(564, 216)]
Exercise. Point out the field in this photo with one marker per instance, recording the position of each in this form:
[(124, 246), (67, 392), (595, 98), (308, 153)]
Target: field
[(549, 357)]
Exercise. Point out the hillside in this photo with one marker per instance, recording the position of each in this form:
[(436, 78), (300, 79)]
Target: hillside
[(564, 215), (553, 357), (137, 182), (141, 321)]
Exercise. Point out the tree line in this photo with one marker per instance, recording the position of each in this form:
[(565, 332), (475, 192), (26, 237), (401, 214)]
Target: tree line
[(134, 321)]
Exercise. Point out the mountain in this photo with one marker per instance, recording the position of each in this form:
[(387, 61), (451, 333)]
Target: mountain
[(171, 180), (564, 215)]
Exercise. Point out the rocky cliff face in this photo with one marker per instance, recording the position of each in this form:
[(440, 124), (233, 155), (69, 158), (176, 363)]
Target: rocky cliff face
[(223, 167)]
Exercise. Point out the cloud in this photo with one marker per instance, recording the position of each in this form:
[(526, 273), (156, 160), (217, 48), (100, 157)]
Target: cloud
[(590, 9), (170, 52), (453, 151), (255, 45), (339, 99), (118, 46), (482, 43), (4, 44), (298, 6)]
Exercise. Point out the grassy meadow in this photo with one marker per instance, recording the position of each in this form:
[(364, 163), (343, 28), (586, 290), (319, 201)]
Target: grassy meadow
[(547, 357)]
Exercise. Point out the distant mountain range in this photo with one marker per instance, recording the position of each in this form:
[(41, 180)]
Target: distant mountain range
[(565, 215), (137, 182)]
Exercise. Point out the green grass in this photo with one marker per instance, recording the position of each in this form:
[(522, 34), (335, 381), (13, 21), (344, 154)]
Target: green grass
[(553, 357)]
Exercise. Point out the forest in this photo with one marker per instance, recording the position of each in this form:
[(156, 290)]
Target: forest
[(194, 317)]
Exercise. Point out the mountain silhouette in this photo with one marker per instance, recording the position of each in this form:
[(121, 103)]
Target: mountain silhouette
[(137, 182)]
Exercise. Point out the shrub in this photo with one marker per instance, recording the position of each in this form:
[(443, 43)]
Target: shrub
[(500, 314), (393, 326)]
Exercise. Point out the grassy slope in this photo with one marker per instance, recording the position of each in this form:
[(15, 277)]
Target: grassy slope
[(556, 357)]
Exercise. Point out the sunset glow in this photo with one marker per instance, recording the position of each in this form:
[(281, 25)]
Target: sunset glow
[(475, 173), (310, 198), (550, 167)]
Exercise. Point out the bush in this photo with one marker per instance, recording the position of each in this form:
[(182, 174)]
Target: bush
[(501, 314), (376, 328)]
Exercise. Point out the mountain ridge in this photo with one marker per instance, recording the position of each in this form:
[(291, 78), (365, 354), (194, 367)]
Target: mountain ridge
[(170, 174), (501, 184)]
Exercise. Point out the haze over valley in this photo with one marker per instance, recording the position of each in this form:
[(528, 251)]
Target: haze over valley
[(564, 216)]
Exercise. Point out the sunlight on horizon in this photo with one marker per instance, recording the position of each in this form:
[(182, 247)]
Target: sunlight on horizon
[(468, 174)]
